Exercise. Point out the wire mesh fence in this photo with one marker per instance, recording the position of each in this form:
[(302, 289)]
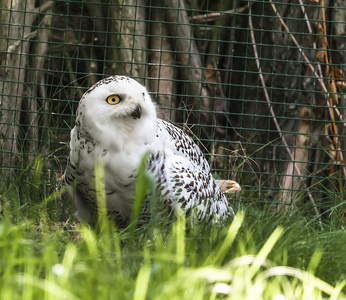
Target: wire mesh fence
[(258, 84)]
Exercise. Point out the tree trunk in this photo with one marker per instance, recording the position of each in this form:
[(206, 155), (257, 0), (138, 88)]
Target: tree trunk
[(12, 89), (161, 66), (196, 97), (19, 125), (128, 38)]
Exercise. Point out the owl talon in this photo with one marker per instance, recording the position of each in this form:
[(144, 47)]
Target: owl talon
[(228, 186)]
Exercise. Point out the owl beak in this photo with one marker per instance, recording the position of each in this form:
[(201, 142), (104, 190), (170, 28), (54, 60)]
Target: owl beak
[(137, 113)]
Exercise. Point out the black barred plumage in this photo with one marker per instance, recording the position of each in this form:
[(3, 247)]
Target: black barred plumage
[(118, 136)]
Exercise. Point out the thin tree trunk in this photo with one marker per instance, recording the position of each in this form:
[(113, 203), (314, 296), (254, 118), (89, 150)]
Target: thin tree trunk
[(18, 102), (161, 66), (191, 67), (43, 37), (128, 38), (12, 89)]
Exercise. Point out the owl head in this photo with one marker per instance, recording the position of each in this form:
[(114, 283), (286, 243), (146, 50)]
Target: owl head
[(116, 106)]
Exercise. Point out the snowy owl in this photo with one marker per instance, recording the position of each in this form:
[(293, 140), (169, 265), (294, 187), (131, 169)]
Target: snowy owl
[(116, 124)]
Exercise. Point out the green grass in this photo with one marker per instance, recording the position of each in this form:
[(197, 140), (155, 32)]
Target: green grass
[(46, 254)]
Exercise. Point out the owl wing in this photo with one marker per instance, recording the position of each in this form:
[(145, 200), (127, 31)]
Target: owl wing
[(183, 145), (183, 176)]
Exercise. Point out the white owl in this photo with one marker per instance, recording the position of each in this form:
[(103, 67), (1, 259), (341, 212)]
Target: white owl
[(116, 124)]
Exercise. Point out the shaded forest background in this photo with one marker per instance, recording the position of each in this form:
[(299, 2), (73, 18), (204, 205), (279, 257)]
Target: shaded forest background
[(259, 84)]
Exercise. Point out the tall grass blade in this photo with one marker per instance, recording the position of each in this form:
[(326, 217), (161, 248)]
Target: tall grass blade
[(217, 258), (50, 289), (144, 187), (142, 280), (179, 234), (100, 187), (263, 253), (307, 279)]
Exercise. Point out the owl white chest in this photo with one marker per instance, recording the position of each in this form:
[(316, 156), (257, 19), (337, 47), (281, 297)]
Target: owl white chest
[(120, 157)]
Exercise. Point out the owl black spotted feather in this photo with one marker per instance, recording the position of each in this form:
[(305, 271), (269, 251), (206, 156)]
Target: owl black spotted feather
[(116, 124)]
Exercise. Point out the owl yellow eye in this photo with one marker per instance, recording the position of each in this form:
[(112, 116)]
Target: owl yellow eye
[(113, 99)]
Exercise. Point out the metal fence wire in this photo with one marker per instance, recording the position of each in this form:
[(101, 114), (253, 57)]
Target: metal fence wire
[(258, 84)]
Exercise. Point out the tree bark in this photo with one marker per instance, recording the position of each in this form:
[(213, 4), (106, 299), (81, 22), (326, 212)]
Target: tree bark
[(128, 38), (161, 66), (12, 90), (195, 95)]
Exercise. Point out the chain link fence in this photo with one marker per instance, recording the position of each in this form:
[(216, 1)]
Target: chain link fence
[(259, 84)]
